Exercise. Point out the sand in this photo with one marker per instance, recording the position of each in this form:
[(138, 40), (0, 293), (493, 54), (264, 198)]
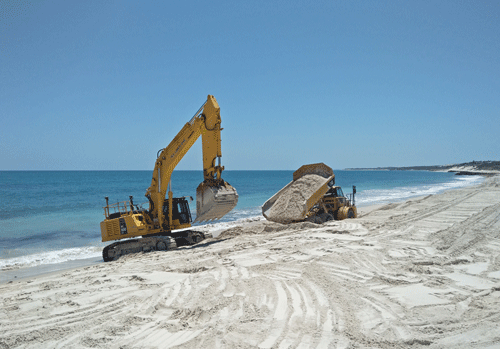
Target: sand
[(420, 274), (291, 203)]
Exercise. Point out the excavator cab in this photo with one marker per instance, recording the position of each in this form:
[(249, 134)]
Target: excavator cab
[(180, 210)]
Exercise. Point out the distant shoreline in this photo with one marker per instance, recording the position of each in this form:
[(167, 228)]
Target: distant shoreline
[(473, 168)]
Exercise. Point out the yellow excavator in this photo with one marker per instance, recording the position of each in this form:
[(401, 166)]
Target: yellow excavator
[(165, 224)]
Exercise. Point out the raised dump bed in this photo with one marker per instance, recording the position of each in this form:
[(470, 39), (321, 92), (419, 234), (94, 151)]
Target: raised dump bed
[(293, 202)]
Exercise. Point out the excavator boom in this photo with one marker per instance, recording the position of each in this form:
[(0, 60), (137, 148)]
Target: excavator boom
[(214, 196)]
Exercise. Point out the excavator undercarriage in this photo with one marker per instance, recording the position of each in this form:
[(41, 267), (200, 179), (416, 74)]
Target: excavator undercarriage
[(153, 243)]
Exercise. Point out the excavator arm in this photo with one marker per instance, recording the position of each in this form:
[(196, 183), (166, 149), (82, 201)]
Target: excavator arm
[(210, 138), (215, 197)]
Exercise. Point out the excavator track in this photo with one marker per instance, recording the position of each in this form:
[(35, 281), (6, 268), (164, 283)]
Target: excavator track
[(152, 243)]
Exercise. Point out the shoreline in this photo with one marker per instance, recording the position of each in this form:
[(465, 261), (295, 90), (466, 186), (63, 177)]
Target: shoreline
[(473, 168), (27, 273), (36, 248), (24, 274), (458, 172)]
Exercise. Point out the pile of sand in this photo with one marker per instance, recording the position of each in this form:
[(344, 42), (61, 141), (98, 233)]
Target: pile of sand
[(290, 205)]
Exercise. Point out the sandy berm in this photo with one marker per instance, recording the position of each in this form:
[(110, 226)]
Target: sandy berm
[(420, 274)]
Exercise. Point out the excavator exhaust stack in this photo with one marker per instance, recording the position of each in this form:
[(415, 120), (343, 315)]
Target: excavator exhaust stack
[(213, 201)]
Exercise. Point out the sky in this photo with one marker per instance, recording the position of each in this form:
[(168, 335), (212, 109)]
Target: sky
[(103, 85)]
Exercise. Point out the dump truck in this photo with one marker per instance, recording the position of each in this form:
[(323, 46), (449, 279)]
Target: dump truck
[(165, 224), (311, 196)]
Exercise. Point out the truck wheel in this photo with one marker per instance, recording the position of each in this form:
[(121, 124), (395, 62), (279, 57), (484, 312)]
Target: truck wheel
[(342, 213)]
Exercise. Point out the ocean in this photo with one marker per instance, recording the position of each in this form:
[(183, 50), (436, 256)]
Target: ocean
[(48, 218)]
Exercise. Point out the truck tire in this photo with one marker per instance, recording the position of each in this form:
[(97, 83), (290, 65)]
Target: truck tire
[(350, 214), (342, 213)]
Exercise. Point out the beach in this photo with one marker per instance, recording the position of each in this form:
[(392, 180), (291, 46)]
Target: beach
[(420, 273)]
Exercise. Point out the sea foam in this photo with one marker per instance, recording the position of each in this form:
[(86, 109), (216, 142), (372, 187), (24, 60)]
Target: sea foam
[(381, 196), (50, 257)]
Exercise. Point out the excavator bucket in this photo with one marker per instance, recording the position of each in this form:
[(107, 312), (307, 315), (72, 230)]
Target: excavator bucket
[(214, 201)]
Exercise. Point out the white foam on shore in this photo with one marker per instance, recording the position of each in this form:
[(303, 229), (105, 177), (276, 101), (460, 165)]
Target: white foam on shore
[(382, 196), (77, 253), (50, 257)]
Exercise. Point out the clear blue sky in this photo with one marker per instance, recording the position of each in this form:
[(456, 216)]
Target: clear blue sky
[(102, 85)]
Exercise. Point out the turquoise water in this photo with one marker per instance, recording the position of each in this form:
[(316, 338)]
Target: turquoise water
[(51, 217)]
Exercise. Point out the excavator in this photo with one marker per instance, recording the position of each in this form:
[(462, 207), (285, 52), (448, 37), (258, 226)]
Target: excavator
[(165, 225)]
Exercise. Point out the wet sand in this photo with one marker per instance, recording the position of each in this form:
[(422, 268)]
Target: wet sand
[(418, 274)]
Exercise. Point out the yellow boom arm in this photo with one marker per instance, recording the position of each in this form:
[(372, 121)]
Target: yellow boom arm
[(206, 122)]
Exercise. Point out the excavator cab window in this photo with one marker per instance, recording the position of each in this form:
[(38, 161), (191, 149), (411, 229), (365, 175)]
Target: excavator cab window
[(180, 210), (184, 212)]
